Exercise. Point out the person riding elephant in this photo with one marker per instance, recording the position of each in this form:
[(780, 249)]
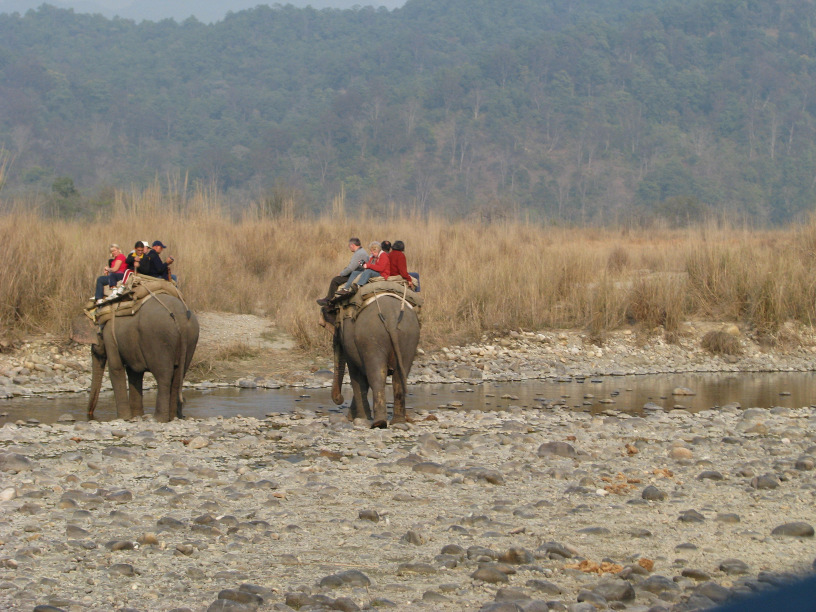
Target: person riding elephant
[(358, 258), (381, 340), (160, 338)]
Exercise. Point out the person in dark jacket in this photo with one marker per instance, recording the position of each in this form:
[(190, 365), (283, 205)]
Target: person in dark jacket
[(152, 264)]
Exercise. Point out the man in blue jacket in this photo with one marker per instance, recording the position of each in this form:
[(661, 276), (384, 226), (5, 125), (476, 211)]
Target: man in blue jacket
[(358, 258)]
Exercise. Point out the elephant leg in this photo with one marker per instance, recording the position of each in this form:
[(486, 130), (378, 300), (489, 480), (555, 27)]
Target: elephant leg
[(135, 380), (116, 371), (164, 381), (377, 383), (359, 387), (399, 399)]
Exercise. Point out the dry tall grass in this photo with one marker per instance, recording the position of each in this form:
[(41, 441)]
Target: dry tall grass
[(476, 278)]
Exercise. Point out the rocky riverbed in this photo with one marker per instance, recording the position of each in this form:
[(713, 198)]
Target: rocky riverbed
[(45, 364), (524, 509)]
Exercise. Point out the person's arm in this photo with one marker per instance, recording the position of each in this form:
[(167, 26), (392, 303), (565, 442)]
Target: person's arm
[(359, 256)]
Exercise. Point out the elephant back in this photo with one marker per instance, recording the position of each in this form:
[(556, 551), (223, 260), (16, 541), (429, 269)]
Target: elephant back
[(373, 291), (136, 292)]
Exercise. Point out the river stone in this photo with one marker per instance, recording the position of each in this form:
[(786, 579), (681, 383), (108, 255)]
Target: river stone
[(453, 549), (695, 574), (652, 493), (612, 589), (120, 497), (117, 452), (416, 568), (713, 591), (227, 605), (490, 575), (734, 566), (554, 548), (658, 584), (433, 597), (414, 537), (559, 449), (198, 442), (15, 462), (710, 475), (728, 517), (516, 556), (797, 529), (766, 481), (354, 578), (241, 596), (511, 594), (369, 515), (805, 464), (680, 452), (122, 569), (544, 586), (597, 600), (691, 516), (501, 606), (683, 391)]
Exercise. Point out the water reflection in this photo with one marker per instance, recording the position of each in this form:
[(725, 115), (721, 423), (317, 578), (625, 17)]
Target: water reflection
[(625, 393)]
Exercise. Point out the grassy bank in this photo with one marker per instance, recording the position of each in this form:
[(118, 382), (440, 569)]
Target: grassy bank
[(475, 277)]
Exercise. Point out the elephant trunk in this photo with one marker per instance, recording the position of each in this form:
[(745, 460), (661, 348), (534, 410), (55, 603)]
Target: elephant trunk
[(98, 360), (339, 369)]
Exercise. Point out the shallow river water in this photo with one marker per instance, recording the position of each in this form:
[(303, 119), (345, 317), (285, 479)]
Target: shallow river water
[(622, 393)]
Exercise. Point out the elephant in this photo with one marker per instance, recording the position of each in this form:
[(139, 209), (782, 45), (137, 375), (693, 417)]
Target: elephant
[(160, 338), (381, 340)]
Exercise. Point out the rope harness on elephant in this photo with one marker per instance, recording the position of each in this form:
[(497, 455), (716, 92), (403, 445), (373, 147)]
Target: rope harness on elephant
[(135, 293)]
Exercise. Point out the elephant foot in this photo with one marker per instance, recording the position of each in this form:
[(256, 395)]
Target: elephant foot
[(398, 419), (381, 424), (350, 416)]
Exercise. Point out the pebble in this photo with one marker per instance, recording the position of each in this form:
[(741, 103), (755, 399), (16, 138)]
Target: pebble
[(558, 449), (612, 589), (490, 575), (734, 566), (347, 578), (652, 493), (796, 529)]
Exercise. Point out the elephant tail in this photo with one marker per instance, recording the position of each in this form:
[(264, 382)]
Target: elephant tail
[(176, 385), (392, 330)]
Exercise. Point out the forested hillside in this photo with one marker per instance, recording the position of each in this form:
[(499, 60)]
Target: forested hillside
[(589, 110)]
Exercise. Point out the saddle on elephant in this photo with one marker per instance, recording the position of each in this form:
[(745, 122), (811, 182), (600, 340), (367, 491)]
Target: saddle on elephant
[(376, 288), (133, 294)]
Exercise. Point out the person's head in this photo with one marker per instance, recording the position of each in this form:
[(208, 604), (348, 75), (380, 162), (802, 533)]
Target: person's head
[(354, 244), (386, 245), (139, 248), (158, 246), (399, 245), (374, 247), (114, 249)]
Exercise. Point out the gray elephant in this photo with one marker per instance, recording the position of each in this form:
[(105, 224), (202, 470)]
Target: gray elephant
[(160, 338), (382, 340)]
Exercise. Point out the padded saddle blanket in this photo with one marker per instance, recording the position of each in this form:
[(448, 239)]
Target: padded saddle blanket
[(372, 290), (135, 293)]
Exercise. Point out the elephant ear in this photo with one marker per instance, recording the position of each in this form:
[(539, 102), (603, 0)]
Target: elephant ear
[(83, 331)]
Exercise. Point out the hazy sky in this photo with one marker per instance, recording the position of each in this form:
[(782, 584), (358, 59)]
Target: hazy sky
[(204, 10)]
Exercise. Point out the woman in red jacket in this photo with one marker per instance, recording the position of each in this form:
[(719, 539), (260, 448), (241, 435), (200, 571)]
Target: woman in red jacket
[(378, 264)]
